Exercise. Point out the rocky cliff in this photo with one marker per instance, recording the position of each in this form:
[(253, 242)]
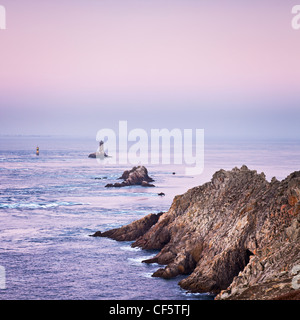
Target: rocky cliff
[(237, 236)]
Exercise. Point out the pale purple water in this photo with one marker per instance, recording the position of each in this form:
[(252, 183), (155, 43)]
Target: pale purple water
[(49, 205)]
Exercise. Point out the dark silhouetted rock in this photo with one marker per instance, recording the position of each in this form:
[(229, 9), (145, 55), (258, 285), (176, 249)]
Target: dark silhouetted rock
[(96, 234), (93, 155), (135, 176)]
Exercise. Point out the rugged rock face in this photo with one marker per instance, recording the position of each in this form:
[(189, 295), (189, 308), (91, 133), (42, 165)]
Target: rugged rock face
[(135, 176), (132, 231), (237, 236), (273, 272)]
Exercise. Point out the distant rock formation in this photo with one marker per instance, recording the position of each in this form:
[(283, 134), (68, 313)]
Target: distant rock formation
[(237, 236), (135, 176), (93, 155), (100, 152)]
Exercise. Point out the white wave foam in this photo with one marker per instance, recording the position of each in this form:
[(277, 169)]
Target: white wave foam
[(37, 205), (128, 248), (138, 260), (147, 274)]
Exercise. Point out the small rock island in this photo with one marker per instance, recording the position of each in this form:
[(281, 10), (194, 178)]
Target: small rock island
[(101, 154), (136, 176)]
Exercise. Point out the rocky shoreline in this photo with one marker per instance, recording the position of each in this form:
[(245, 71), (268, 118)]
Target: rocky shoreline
[(237, 236)]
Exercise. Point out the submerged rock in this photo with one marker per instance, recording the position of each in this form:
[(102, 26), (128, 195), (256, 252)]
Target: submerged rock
[(135, 176), (237, 236)]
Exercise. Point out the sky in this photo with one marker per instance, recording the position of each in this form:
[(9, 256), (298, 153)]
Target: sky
[(73, 67)]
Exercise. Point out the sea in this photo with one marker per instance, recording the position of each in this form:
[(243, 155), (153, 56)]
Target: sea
[(50, 205)]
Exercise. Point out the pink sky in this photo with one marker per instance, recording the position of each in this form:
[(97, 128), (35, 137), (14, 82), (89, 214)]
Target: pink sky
[(118, 57)]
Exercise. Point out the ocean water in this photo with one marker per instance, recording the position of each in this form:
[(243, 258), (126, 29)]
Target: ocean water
[(50, 204)]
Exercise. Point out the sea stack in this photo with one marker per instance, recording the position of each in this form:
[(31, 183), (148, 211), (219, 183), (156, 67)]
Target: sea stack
[(136, 176), (100, 152)]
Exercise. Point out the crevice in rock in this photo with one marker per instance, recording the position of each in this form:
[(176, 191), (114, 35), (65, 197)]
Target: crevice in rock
[(247, 257)]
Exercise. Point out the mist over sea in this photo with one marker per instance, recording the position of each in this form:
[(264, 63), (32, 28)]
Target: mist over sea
[(51, 203)]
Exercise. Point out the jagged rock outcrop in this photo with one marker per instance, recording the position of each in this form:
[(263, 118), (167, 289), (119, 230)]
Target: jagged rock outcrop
[(135, 176), (237, 236), (131, 231)]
